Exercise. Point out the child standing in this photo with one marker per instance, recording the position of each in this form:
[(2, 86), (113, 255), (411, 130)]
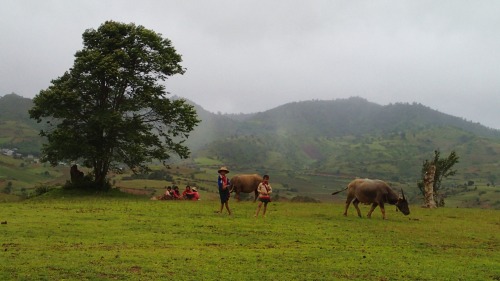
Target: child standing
[(224, 193), (264, 189)]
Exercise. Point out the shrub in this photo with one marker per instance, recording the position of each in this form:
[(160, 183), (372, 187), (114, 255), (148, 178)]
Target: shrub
[(87, 183), (8, 188), (42, 189)]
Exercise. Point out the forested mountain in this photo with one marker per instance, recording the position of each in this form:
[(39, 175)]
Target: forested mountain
[(346, 137), (357, 116), (351, 137), (17, 130), (14, 107)]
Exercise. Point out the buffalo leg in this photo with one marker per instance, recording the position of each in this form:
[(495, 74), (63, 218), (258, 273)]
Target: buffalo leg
[(374, 205), (382, 209), (347, 203), (355, 203)]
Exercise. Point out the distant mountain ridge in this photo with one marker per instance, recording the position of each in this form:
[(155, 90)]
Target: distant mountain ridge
[(14, 107), (357, 116), (334, 118)]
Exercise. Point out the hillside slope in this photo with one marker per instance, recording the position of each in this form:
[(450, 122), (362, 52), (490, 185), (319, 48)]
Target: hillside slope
[(17, 130), (347, 137), (352, 137)]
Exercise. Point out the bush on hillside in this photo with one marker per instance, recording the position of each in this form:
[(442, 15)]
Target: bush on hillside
[(87, 183), (42, 189)]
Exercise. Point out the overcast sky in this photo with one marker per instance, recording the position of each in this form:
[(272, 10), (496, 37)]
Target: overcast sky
[(251, 56)]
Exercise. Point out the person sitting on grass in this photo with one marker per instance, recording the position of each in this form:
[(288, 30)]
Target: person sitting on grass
[(196, 195), (168, 194), (188, 194), (175, 193)]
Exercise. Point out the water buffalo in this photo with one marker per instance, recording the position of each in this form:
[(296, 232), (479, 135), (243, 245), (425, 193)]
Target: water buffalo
[(375, 192), (245, 183)]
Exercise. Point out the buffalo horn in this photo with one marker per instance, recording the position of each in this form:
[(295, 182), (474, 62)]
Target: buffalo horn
[(403, 194)]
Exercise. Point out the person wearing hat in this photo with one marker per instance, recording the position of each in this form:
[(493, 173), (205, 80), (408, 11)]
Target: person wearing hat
[(196, 195), (224, 193)]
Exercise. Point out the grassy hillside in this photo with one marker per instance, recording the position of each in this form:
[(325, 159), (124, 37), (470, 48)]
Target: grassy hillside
[(24, 178), (354, 138), (308, 147), (87, 237), (396, 157), (17, 130)]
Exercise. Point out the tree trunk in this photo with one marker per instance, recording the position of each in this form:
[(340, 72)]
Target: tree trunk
[(429, 187), (100, 173)]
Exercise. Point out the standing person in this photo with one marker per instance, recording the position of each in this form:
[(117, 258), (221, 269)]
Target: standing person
[(264, 189), (223, 183)]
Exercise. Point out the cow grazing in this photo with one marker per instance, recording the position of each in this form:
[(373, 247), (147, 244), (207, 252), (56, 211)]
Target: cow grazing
[(375, 192)]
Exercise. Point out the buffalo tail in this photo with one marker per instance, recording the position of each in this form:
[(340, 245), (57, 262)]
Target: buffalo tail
[(336, 192)]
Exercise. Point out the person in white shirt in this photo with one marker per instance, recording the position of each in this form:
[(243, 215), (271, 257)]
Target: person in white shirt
[(264, 189)]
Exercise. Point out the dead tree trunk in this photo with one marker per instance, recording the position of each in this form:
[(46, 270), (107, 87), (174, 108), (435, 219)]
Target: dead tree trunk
[(429, 187)]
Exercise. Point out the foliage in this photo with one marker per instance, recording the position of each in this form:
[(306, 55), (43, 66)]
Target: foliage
[(41, 189), (109, 108), (443, 170), (8, 188), (87, 183), (101, 237)]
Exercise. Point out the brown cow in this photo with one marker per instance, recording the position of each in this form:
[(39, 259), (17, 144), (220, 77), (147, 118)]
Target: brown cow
[(375, 192), (245, 183)]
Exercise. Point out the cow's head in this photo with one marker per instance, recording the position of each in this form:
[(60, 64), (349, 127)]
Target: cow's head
[(402, 204)]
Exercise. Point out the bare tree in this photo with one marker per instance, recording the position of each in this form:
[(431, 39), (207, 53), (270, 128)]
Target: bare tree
[(433, 172)]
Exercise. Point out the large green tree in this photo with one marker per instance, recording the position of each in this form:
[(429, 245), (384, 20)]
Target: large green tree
[(111, 107)]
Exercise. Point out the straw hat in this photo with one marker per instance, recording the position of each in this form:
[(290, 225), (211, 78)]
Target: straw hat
[(223, 169)]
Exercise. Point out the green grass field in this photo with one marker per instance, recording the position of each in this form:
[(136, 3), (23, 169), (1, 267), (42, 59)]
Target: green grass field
[(65, 236)]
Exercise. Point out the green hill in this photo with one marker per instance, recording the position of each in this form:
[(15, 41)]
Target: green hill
[(311, 147), (354, 137), (17, 130)]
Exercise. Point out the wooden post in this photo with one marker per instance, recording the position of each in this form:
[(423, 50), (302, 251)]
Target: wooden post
[(429, 187)]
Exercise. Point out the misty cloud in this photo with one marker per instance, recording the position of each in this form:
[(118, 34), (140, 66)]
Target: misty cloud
[(249, 56)]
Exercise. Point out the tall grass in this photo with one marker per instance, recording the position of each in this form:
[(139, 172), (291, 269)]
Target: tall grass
[(131, 238)]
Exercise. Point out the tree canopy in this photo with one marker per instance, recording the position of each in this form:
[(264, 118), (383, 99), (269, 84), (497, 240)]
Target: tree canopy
[(111, 108)]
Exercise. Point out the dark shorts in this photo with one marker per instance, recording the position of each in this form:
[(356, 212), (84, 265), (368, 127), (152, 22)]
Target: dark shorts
[(265, 199), (224, 196)]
